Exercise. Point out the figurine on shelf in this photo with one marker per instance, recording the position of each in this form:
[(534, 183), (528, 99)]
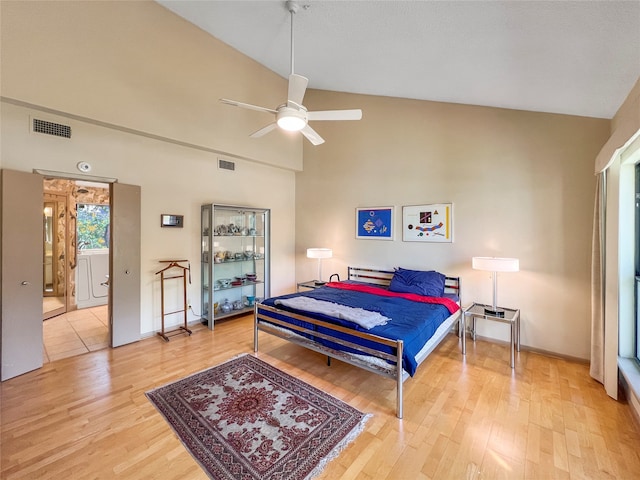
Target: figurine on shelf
[(226, 306)]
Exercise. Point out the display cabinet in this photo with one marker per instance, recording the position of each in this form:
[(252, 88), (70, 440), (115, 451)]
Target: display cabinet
[(235, 260)]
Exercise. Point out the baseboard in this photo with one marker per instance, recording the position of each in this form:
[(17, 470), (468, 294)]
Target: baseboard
[(539, 351)]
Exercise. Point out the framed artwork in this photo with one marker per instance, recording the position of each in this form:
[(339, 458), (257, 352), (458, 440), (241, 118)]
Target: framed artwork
[(375, 223), (428, 223)]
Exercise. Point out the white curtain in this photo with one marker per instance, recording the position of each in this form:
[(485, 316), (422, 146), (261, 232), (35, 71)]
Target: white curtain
[(596, 369)]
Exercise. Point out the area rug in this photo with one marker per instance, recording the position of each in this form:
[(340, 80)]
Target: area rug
[(247, 420)]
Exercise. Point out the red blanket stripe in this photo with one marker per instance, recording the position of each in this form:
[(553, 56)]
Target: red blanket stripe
[(452, 306)]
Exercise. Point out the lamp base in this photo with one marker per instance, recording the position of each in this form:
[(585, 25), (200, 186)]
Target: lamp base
[(319, 283), (494, 311)]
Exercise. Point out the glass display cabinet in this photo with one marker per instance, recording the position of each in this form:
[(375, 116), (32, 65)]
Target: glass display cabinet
[(235, 260)]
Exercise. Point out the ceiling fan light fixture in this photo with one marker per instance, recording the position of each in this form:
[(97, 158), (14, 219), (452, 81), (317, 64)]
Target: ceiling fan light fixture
[(291, 121)]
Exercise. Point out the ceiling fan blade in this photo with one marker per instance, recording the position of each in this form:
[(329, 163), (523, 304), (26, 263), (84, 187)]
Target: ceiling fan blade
[(247, 105), (263, 130), (312, 135), (335, 115), (297, 88)]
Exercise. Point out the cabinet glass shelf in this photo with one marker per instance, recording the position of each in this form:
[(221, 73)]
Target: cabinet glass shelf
[(233, 313), (231, 287)]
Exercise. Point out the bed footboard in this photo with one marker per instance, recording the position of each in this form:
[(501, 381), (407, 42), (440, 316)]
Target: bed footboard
[(269, 319)]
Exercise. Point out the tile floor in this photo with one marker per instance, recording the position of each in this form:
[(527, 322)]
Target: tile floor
[(52, 303), (75, 333)]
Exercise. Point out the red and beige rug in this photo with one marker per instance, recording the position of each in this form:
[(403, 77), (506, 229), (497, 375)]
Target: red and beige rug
[(247, 420)]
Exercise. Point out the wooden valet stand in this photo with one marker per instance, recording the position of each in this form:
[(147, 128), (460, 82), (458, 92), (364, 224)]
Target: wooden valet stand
[(174, 264)]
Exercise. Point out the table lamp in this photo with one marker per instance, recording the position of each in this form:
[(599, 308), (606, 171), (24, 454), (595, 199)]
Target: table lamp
[(319, 253), (495, 265)]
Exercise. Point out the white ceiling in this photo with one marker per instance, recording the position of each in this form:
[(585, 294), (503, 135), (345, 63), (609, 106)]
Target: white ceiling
[(571, 57)]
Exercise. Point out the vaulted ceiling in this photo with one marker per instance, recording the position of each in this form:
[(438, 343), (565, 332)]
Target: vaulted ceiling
[(570, 57)]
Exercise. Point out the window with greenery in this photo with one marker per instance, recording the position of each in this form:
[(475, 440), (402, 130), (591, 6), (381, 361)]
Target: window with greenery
[(92, 226)]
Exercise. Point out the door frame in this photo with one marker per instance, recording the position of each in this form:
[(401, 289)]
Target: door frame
[(54, 196)]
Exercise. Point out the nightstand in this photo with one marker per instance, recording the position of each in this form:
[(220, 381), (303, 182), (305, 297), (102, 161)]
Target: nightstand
[(511, 317), (310, 284)]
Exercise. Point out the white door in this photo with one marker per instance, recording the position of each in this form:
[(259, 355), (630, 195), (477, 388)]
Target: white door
[(22, 244), (124, 276)]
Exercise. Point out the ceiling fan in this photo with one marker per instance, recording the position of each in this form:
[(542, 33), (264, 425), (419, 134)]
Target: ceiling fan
[(292, 115)]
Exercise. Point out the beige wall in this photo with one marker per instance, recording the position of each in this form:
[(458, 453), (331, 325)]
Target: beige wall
[(624, 125), (111, 70), (521, 183), (138, 65), (174, 179)]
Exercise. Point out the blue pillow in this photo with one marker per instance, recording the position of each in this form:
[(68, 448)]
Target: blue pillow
[(430, 284)]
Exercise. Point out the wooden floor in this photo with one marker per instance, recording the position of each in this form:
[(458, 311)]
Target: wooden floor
[(87, 417)]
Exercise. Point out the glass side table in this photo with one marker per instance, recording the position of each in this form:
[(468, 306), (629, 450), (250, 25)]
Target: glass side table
[(310, 284), (511, 317)]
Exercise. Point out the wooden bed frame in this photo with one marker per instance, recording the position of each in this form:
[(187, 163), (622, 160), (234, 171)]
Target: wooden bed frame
[(283, 329)]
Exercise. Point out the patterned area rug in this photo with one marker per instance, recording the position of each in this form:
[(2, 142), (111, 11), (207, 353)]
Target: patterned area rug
[(247, 420)]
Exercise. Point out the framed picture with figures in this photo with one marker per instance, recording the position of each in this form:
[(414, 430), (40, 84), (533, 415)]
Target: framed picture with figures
[(428, 223)]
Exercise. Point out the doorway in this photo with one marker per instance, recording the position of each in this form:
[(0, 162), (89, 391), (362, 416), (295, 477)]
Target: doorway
[(21, 280), (54, 269), (75, 267)]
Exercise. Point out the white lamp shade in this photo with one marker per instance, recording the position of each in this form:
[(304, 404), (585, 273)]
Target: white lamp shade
[(319, 253), (495, 264)]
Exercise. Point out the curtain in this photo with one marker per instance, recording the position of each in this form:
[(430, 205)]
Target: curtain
[(596, 369)]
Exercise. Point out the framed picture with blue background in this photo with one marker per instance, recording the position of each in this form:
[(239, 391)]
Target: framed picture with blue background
[(374, 223)]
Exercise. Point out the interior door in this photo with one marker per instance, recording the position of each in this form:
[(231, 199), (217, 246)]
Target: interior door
[(21, 258), (124, 276)]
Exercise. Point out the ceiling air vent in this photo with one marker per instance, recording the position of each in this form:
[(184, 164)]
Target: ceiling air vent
[(226, 164), (50, 128)]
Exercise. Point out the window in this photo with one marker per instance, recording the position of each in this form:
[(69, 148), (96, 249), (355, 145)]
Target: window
[(92, 226)]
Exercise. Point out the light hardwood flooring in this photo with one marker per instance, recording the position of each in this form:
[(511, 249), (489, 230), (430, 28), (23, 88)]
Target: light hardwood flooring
[(75, 333), (470, 417)]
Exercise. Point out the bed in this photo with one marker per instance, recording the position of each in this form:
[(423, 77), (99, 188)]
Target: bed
[(374, 319)]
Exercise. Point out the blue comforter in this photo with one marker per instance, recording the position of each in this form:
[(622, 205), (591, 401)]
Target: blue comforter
[(412, 322)]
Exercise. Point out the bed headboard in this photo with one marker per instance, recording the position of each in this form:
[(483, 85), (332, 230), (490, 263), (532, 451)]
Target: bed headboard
[(383, 277), (370, 275)]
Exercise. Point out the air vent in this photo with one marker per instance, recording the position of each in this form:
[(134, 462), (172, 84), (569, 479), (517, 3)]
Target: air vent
[(50, 128), (226, 164)]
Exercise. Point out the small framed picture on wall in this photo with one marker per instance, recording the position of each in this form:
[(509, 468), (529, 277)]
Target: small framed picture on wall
[(374, 223), (428, 223)]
